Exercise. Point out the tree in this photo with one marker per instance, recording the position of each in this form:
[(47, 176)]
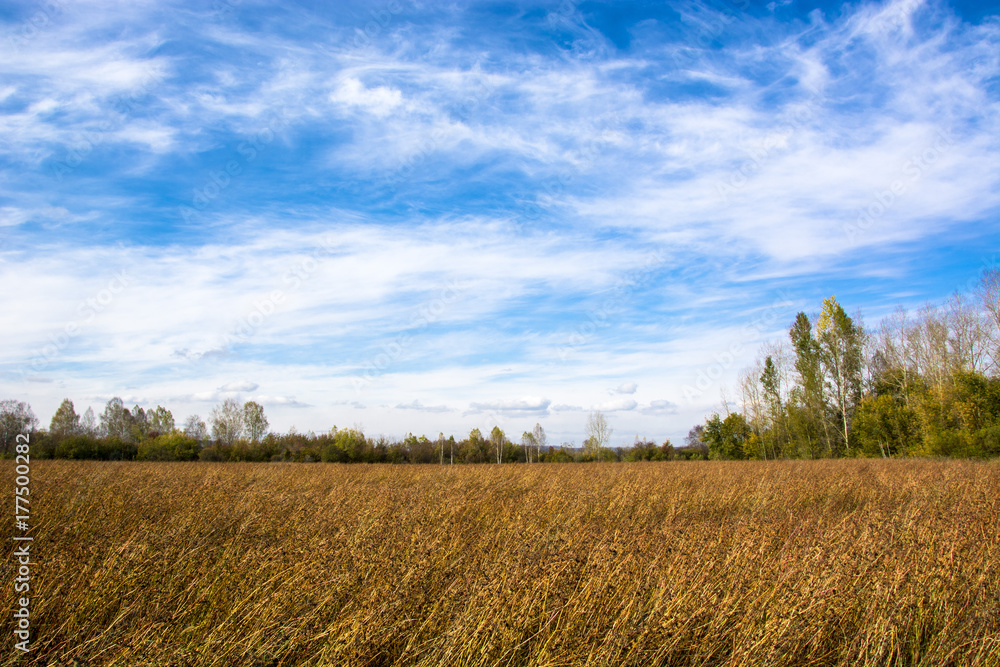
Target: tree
[(227, 421), (969, 339), (528, 443), (727, 438), (140, 424), (88, 425), (884, 426), (598, 433), (116, 420), (16, 417), (809, 397), (892, 360), (770, 380), (497, 439), (65, 422), (168, 447), (254, 422), (161, 421), (928, 340), (840, 343), (753, 402), (538, 433), (195, 428), (988, 292)]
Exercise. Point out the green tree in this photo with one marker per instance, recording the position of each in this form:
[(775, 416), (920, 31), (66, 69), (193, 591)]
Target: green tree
[(771, 383), (840, 342), (173, 446), (139, 429), (884, 426), (728, 438), (160, 420), (808, 412), (968, 424), (65, 422), (254, 422), (347, 445)]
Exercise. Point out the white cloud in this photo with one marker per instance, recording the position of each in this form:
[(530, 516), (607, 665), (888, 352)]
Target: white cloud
[(660, 408), (417, 405), (379, 100), (625, 388), (290, 401), (239, 385), (562, 407), (617, 405), (529, 405)]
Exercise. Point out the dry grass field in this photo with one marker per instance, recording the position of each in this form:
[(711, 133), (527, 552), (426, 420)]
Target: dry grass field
[(778, 563)]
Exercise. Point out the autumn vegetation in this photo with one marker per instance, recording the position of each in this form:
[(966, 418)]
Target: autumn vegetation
[(836, 562), (914, 385)]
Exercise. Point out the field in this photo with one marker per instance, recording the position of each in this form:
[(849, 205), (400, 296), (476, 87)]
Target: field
[(777, 563)]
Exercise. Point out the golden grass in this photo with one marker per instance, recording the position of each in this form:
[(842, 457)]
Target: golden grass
[(778, 563)]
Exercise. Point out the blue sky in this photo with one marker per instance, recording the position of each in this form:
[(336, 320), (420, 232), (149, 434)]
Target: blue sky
[(432, 217)]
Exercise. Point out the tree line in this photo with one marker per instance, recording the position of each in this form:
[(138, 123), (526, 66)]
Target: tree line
[(239, 432), (923, 384)]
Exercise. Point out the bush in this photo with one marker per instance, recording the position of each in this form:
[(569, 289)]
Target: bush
[(78, 447), (172, 447), (649, 451)]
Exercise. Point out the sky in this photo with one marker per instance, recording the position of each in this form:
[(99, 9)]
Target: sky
[(428, 217)]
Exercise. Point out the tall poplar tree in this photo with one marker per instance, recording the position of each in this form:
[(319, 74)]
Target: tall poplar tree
[(810, 395), (840, 343)]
